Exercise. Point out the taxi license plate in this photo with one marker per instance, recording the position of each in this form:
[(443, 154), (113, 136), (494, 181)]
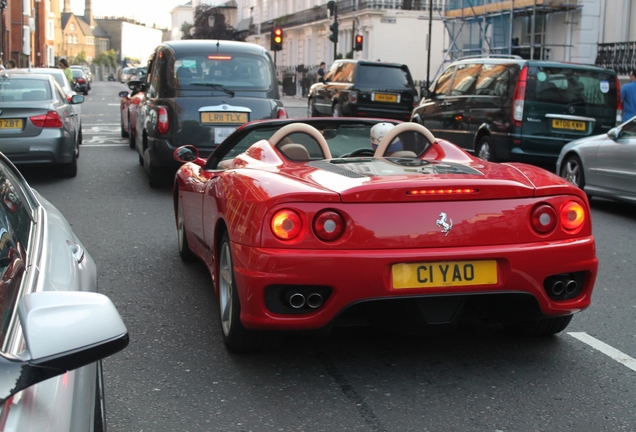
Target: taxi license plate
[(10, 123), (223, 118), (569, 125), (444, 274), (385, 97)]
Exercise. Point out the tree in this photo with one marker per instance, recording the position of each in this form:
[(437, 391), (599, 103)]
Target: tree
[(185, 30), (202, 30)]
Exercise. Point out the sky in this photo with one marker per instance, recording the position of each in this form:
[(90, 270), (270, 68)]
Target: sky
[(144, 11)]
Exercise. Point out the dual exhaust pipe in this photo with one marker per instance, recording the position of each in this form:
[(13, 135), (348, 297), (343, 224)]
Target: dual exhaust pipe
[(564, 286), (298, 300)]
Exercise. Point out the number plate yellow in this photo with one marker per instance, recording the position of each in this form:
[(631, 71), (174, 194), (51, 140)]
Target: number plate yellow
[(444, 274), (569, 125), (385, 97), (223, 118), (11, 123)]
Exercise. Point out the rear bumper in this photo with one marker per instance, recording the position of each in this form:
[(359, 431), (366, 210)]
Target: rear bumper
[(356, 276), (52, 146), (357, 110)]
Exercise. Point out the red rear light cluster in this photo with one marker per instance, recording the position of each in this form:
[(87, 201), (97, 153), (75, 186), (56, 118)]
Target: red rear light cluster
[(287, 224), (619, 103), (162, 120), (49, 120), (571, 217), (328, 225), (282, 113), (81, 80), (453, 191), (519, 98)]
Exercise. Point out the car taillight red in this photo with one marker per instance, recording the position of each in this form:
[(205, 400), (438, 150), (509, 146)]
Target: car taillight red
[(328, 225), (282, 113), (619, 103), (162, 120), (572, 215), (519, 98), (81, 80), (49, 120), (544, 219), (286, 224)]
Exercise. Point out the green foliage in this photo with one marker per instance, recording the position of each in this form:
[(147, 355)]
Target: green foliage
[(79, 59), (107, 58), (201, 28)]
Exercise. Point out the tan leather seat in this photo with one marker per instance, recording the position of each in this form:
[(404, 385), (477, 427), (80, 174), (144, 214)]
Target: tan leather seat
[(295, 152)]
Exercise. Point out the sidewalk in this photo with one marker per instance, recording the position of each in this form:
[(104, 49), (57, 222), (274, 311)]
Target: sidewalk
[(294, 101)]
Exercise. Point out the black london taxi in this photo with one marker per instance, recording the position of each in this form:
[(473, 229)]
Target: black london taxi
[(197, 92)]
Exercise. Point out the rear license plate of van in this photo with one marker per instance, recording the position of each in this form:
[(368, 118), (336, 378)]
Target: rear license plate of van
[(10, 123), (569, 125), (216, 117), (385, 97)]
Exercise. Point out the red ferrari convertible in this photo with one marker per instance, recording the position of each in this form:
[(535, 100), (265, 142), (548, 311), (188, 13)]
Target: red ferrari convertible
[(303, 225)]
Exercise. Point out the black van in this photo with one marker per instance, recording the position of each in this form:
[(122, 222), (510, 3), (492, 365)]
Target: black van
[(360, 88), (511, 109)]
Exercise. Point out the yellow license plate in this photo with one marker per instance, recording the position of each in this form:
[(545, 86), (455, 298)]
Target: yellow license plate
[(444, 274), (223, 118), (10, 123), (385, 97), (569, 125)]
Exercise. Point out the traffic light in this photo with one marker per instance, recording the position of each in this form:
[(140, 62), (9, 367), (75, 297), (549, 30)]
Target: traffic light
[(333, 37), (358, 44), (277, 39), (333, 8)]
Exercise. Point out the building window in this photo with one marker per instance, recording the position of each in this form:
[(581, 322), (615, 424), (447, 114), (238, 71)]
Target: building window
[(75, 39), (50, 29), (72, 27)]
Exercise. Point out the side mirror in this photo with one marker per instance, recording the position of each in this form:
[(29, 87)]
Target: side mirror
[(63, 331), (188, 153), (425, 93), (123, 94), (613, 133), (77, 99)]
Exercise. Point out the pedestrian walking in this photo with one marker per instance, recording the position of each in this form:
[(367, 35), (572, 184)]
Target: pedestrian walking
[(320, 75), (628, 95), (63, 64)]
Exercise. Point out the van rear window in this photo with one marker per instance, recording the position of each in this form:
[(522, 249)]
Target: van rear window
[(571, 86), (382, 76)]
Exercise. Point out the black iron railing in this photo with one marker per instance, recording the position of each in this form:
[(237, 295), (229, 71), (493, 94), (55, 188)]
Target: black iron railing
[(619, 56)]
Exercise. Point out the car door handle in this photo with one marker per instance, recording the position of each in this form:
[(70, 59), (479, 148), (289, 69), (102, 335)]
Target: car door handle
[(77, 251)]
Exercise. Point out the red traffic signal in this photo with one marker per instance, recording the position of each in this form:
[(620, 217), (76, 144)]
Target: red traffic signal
[(277, 39), (358, 43)]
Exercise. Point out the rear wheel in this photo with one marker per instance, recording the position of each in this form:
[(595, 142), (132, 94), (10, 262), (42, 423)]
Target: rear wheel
[(484, 149), (311, 109), (236, 337), (131, 137), (184, 248), (572, 171), (124, 132), (100, 405), (541, 327), (154, 174), (336, 111), (69, 170)]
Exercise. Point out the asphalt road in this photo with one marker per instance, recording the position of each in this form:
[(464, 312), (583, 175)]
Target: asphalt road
[(176, 375)]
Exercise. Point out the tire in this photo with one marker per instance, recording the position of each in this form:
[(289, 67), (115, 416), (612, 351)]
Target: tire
[(572, 171), (99, 421), (131, 137), (154, 174), (236, 337), (124, 132), (69, 170), (184, 248), (80, 136), (541, 327), (484, 149), (311, 109), (336, 110)]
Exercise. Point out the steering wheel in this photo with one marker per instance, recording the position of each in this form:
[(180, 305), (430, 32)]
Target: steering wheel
[(398, 129), (360, 152)]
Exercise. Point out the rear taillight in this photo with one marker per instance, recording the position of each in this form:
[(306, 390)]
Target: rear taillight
[(328, 225), (282, 113), (81, 80), (619, 103), (162, 120), (353, 96), (49, 120), (519, 98), (572, 216), (543, 219), (416, 101), (286, 224)]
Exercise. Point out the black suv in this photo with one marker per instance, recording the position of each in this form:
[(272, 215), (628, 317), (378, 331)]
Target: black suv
[(198, 92), (511, 109), (357, 88)]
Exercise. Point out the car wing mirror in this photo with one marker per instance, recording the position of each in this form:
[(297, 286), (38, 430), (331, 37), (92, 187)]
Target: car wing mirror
[(123, 94), (613, 133), (77, 99), (188, 153), (425, 93), (63, 331)]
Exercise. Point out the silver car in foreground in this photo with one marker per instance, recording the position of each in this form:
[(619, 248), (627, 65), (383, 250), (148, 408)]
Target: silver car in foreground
[(38, 124), (603, 165), (55, 327)]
